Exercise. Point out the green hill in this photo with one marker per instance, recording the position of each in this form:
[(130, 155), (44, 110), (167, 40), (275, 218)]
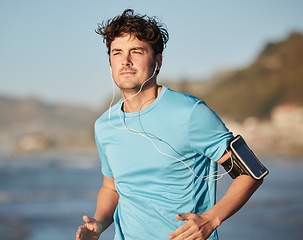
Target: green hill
[(274, 78)]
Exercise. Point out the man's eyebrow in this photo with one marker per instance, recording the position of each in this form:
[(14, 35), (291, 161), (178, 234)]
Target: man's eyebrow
[(116, 50), (134, 48), (138, 48)]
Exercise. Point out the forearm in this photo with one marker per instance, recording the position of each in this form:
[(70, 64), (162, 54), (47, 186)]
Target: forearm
[(236, 196), (106, 204)]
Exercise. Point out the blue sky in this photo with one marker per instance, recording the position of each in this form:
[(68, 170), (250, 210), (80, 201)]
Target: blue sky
[(49, 49)]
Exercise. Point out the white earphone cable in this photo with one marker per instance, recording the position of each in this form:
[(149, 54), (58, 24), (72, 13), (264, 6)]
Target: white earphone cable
[(217, 174)]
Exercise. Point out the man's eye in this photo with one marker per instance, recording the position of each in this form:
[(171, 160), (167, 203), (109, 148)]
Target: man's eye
[(137, 52)]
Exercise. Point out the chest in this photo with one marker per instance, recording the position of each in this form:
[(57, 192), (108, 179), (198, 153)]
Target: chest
[(143, 147)]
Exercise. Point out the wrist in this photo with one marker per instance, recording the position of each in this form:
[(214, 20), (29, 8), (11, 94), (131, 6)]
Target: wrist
[(100, 227), (215, 218)]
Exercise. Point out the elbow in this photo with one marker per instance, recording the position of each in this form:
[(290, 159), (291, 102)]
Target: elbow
[(252, 182), (257, 184)]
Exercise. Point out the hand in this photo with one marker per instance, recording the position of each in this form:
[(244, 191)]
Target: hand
[(196, 227), (91, 230)]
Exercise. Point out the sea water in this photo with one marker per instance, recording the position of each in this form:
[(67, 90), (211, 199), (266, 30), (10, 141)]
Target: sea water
[(44, 196)]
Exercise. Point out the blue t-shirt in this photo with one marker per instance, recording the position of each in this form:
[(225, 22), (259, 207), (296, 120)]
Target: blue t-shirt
[(149, 153)]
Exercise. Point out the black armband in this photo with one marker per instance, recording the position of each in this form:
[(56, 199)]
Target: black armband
[(243, 161), (232, 167)]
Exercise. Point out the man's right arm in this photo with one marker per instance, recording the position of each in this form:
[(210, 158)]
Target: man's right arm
[(106, 204)]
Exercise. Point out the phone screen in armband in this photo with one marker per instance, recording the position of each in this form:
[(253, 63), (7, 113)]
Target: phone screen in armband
[(247, 158)]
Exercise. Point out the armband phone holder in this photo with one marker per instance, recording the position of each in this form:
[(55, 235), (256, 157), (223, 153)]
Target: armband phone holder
[(244, 161)]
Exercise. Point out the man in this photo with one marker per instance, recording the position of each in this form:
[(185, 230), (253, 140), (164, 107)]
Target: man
[(158, 148)]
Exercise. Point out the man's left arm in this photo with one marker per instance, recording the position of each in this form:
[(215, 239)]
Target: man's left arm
[(200, 226)]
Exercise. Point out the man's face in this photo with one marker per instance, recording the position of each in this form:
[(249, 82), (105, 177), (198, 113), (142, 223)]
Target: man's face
[(132, 62)]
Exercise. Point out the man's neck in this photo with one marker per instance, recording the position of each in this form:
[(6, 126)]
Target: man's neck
[(140, 101)]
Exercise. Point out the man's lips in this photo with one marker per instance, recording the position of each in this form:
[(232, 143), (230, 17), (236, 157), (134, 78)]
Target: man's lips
[(127, 73)]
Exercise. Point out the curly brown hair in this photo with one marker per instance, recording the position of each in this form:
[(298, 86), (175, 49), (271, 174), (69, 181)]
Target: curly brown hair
[(145, 28)]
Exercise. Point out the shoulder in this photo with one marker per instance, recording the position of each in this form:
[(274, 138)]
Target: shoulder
[(109, 115), (180, 99)]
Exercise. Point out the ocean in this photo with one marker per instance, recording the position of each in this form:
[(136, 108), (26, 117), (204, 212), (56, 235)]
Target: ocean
[(43, 196)]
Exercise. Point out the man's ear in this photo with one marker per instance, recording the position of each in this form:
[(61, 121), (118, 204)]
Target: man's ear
[(159, 61)]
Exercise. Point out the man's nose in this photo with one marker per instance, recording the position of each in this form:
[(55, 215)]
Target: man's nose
[(127, 60)]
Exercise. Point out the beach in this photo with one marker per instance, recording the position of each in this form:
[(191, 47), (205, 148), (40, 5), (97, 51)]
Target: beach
[(43, 196)]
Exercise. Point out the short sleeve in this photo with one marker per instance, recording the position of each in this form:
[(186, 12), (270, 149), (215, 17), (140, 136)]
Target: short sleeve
[(106, 170), (207, 133)]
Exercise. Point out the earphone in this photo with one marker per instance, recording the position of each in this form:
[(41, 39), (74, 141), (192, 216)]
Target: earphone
[(133, 131), (157, 66)]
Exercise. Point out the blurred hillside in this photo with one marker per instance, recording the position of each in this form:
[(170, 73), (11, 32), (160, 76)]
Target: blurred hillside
[(263, 101), (31, 125), (274, 78)]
